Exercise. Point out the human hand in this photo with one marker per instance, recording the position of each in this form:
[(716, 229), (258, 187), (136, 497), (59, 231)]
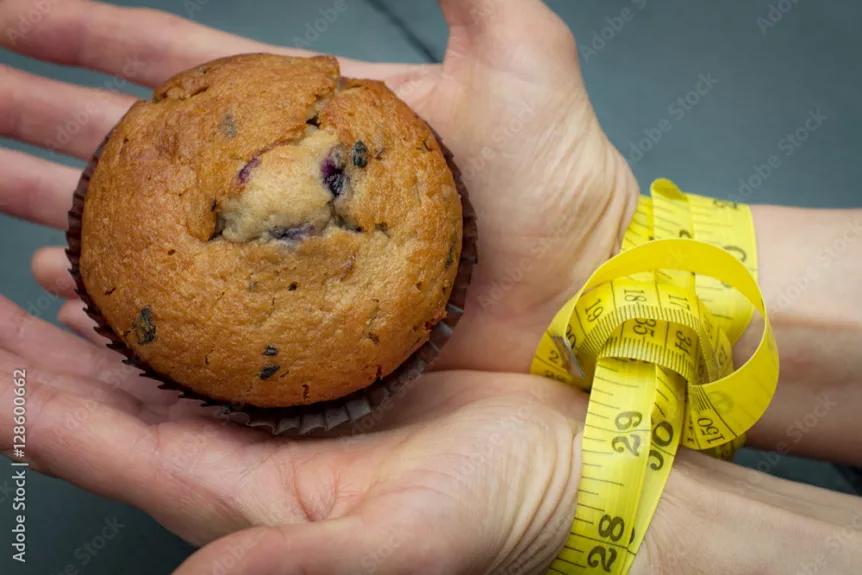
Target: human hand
[(410, 470), (552, 194), (470, 471), (466, 472)]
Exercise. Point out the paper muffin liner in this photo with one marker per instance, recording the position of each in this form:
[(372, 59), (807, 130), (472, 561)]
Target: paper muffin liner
[(301, 419)]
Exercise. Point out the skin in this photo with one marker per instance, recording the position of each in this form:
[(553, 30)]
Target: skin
[(475, 469)]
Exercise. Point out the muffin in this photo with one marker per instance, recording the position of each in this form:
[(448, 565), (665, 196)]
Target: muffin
[(266, 233)]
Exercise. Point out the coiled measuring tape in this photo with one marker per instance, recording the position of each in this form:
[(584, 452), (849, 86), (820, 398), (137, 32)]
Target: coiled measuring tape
[(650, 337)]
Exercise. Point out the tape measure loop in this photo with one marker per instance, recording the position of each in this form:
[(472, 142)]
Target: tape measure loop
[(650, 337)]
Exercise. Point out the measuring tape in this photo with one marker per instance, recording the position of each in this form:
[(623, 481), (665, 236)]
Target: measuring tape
[(650, 337)]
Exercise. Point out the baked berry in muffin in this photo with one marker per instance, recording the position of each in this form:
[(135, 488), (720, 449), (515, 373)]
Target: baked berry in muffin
[(265, 232)]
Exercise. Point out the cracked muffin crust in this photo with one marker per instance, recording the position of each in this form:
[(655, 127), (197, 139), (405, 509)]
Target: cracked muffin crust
[(265, 232)]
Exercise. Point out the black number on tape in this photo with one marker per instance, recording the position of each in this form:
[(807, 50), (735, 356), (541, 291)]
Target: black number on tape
[(707, 428), (738, 252), (723, 204), (679, 301), (645, 326), (612, 528), (558, 377), (662, 434), (602, 556), (620, 444), (683, 343), (721, 401), (684, 234), (553, 356), (629, 419), (722, 357), (595, 311), (634, 295), (571, 336), (659, 459)]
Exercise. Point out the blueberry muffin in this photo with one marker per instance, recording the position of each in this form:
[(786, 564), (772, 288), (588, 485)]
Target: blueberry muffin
[(265, 232)]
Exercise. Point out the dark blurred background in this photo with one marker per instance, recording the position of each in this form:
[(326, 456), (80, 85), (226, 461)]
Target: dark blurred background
[(768, 65)]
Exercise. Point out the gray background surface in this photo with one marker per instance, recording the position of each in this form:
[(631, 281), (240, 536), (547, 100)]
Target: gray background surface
[(767, 80)]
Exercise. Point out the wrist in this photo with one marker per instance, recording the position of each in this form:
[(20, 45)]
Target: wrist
[(717, 517), (545, 513), (808, 275)]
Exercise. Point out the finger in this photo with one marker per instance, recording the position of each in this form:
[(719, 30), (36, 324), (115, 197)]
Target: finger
[(483, 20), (73, 316), (141, 45), (100, 447), (114, 454), (35, 189), (41, 343), (50, 267), (106, 393), (62, 117), (346, 545), (34, 373)]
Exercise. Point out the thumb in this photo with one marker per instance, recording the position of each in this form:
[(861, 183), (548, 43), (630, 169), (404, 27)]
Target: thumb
[(345, 545), (518, 35)]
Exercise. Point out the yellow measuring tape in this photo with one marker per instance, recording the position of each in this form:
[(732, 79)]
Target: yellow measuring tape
[(650, 337)]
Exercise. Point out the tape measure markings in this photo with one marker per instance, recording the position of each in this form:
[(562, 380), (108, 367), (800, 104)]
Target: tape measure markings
[(613, 339)]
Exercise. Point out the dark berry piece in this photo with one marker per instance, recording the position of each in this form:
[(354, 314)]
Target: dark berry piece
[(332, 170), (360, 154), (335, 183), (245, 172), (450, 259), (268, 371), (292, 234), (145, 329), (336, 157), (270, 350), (228, 127)]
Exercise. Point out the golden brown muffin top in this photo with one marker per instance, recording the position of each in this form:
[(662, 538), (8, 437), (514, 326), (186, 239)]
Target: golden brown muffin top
[(266, 232)]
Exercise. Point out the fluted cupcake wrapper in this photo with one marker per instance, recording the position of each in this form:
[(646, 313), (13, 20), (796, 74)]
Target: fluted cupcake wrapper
[(303, 419)]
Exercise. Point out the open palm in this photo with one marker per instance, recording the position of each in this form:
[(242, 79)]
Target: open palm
[(461, 450), (469, 471)]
